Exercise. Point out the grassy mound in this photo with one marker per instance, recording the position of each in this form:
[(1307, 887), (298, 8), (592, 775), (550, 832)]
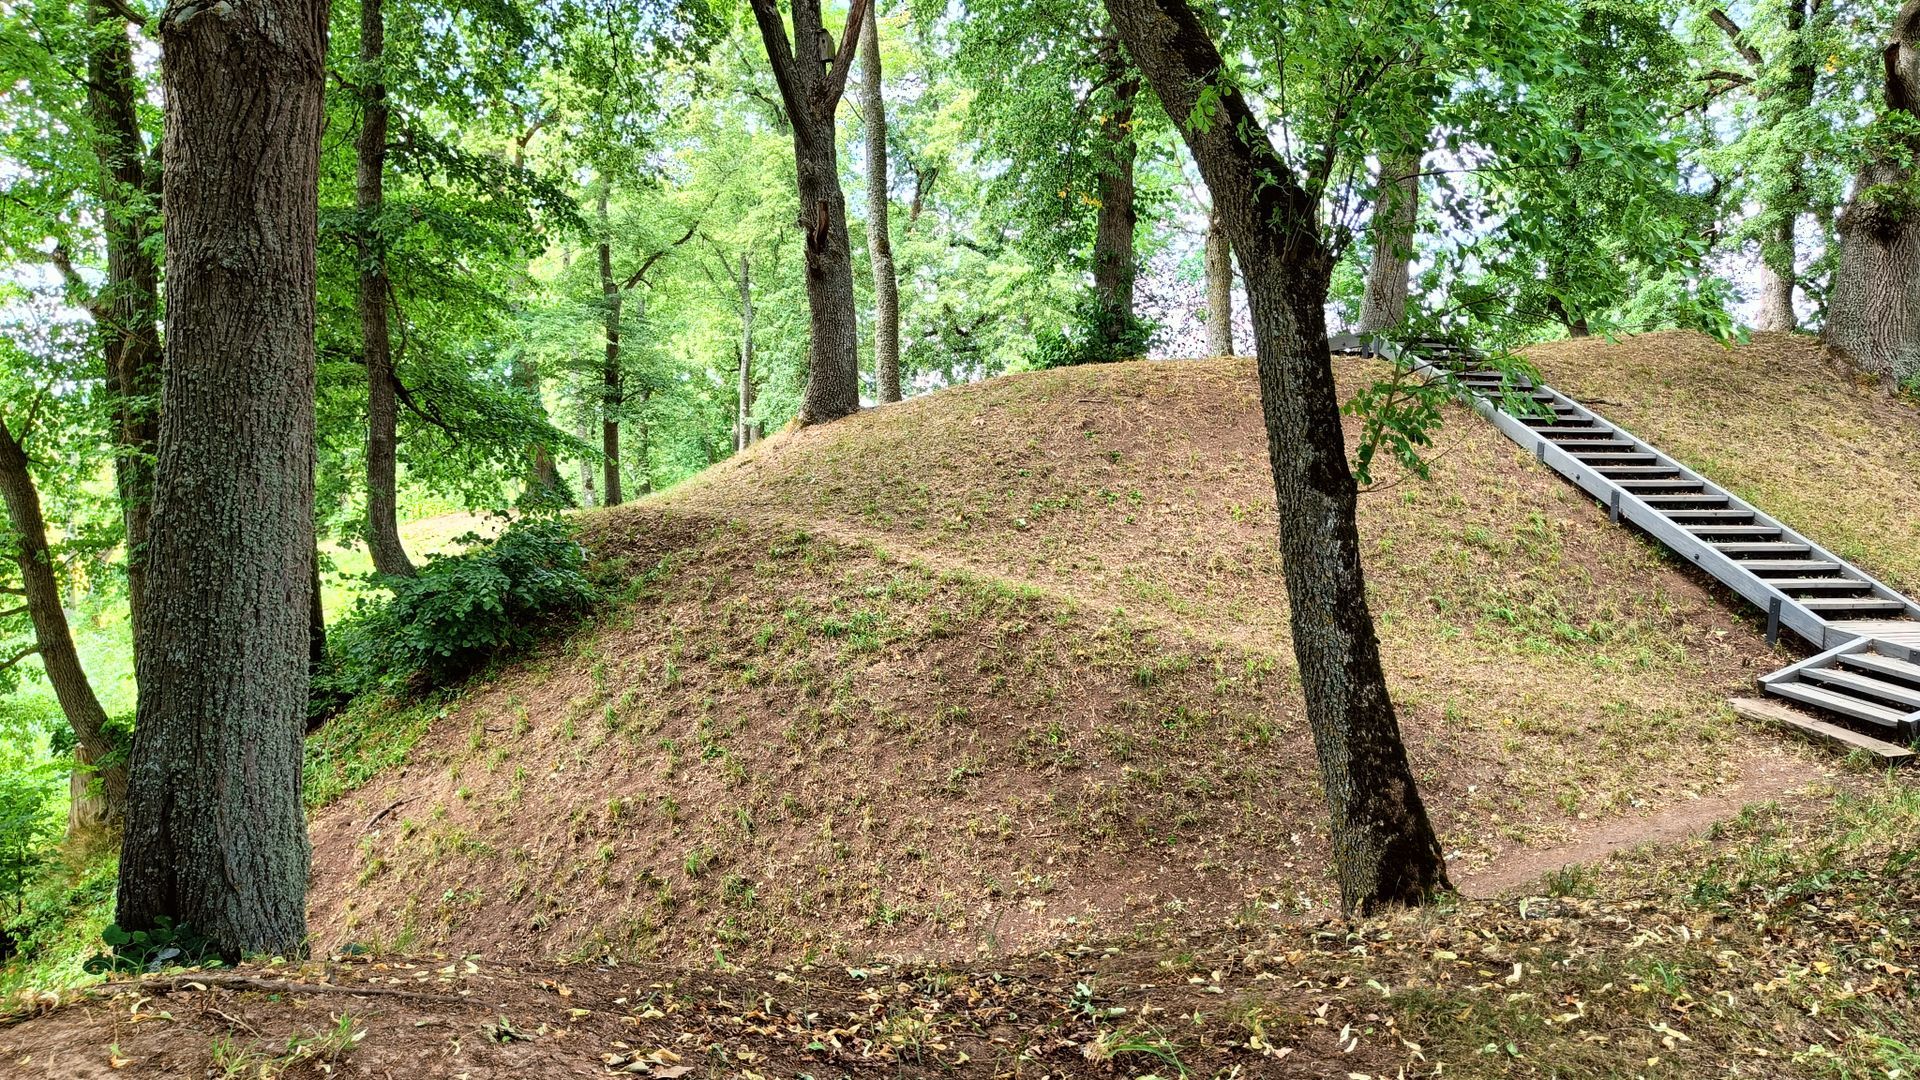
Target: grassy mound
[(1009, 665)]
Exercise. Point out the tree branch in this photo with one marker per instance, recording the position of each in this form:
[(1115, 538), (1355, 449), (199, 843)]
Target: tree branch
[(125, 11), (836, 83), (780, 57), (1738, 37), (11, 612), (19, 656)]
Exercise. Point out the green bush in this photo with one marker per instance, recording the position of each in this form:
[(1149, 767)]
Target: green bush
[(459, 613), (1096, 335)]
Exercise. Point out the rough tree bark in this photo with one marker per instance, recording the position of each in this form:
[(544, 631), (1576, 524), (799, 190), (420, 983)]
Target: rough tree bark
[(613, 382), (1384, 849), (543, 472), (216, 836), (1219, 260), (812, 75), (743, 417), (1114, 267), (1395, 219), (886, 287), (1776, 276), (1873, 312), (128, 309), (383, 414), (53, 638)]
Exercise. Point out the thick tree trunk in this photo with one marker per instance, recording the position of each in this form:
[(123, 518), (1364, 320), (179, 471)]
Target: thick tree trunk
[(886, 287), (833, 374), (383, 411), (810, 91), (1873, 311), (613, 381), (1114, 268), (1395, 218), (216, 835), (1384, 849), (743, 416), (1776, 281), (543, 473), (1219, 259), (129, 308), (53, 637), (583, 430)]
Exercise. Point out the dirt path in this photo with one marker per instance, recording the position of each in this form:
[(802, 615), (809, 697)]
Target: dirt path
[(1763, 779)]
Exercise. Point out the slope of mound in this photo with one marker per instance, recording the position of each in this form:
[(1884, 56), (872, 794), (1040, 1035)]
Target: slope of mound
[(1778, 422), (1007, 665)]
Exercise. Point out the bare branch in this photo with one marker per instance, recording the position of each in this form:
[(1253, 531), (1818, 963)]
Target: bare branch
[(11, 612), (780, 57), (125, 11), (836, 83), (1738, 37)]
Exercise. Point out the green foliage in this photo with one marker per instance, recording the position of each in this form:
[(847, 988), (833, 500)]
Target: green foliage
[(163, 945), (461, 611), (1096, 334), (25, 828)]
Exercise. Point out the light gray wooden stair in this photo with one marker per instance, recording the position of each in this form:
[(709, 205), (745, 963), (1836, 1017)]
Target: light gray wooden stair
[(1802, 587)]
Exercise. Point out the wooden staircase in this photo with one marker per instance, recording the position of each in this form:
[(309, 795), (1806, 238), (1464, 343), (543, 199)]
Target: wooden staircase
[(1866, 674)]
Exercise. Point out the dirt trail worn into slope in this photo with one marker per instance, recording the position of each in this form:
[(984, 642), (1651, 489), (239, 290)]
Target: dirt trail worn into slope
[(1763, 780)]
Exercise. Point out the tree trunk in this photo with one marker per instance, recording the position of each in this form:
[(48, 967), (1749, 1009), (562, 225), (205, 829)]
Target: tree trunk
[(583, 430), (51, 634), (383, 502), (612, 379), (811, 92), (1776, 281), (216, 835), (543, 473), (1219, 259), (1384, 849), (743, 418), (1114, 269), (886, 287), (129, 307), (1396, 216), (1873, 311)]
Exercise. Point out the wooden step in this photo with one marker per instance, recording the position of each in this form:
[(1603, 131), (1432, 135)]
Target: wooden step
[(1884, 666), (1695, 501), (1776, 712), (1558, 424), (1793, 567), (1820, 584), (1577, 434), (1733, 530), (1628, 472), (1590, 452), (1696, 516), (1782, 548), (1893, 694), (1676, 483), (1850, 707), (1832, 607)]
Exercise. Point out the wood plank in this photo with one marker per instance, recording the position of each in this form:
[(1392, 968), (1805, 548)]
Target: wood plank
[(1838, 703), (1864, 605), (1733, 530), (1771, 712), (1884, 665), (1865, 686), (1820, 584), (1791, 566), (1783, 548)]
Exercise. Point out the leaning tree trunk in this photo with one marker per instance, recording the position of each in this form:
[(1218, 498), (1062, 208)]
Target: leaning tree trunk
[(54, 639), (130, 304), (743, 398), (1219, 260), (1395, 218), (811, 91), (886, 287), (216, 836), (1384, 849), (1873, 311), (612, 379), (1114, 267), (383, 416)]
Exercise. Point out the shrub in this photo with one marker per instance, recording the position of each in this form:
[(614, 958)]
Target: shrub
[(459, 612), (1096, 335)]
